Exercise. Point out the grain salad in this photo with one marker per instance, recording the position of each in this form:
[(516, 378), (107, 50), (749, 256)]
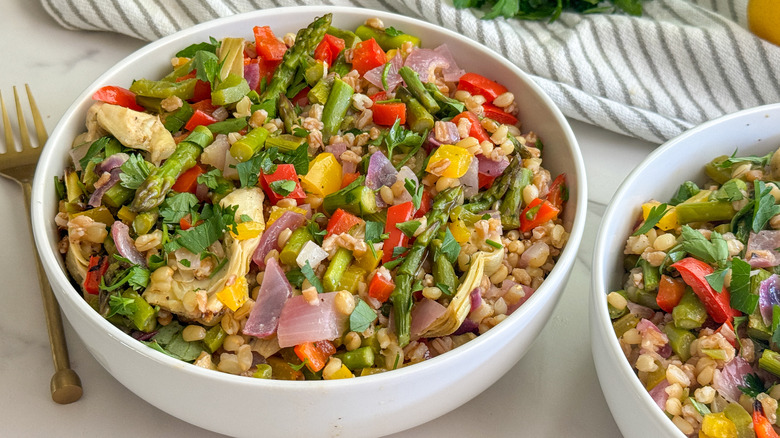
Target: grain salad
[(321, 205), (699, 309)]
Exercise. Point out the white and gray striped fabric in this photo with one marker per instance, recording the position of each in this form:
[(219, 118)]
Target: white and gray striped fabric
[(652, 77)]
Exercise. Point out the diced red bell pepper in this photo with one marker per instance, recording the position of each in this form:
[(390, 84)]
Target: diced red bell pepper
[(349, 178), (199, 118), (315, 354), (284, 172), (266, 68), (693, 272), (670, 291), (381, 286), (341, 222), (395, 215), (485, 180), (538, 212), (476, 130), (385, 114), (376, 97), (204, 105), (202, 89), (267, 45), (426, 202), (328, 49), (302, 98), (559, 191), (478, 84), (761, 424), (95, 271), (323, 53), (499, 115), (367, 55), (117, 96), (188, 181), (185, 223)]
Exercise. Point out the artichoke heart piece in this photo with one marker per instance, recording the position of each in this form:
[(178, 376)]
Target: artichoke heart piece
[(231, 56), (493, 260), (250, 203), (169, 293), (460, 306), (77, 264), (137, 130)]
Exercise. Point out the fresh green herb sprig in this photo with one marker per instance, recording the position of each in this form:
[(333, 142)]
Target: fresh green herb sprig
[(362, 317), (655, 215), (548, 9), (753, 385)]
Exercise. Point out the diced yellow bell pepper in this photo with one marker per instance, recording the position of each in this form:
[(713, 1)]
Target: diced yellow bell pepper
[(459, 231), (248, 230), (99, 214), (324, 176), (235, 295), (460, 160), (718, 426), (367, 261), (342, 373), (125, 215), (277, 212), (668, 222)]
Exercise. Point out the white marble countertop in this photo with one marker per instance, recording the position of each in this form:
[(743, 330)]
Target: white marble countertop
[(553, 390)]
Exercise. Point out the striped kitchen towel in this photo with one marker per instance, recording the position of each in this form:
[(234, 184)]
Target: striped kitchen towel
[(681, 63)]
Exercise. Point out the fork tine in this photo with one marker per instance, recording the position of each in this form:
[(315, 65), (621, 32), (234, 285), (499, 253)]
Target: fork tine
[(40, 128), (25, 136), (9, 134)]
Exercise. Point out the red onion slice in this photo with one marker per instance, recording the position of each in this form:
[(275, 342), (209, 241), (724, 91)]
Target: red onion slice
[(424, 314), (302, 322), (452, 73), (270, 237), (125, 245), (275, 290)]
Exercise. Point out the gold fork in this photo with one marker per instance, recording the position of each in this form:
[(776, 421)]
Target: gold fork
[(19, 166)]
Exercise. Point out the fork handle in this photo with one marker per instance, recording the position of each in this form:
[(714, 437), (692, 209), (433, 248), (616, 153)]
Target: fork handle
[(65, 383)]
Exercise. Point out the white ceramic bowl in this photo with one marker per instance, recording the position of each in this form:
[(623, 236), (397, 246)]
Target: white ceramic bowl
[(367, 406), (754, 131)]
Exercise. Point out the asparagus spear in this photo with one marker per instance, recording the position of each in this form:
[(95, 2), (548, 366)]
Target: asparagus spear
[(417, 117), (483, 200), (402, 294), (449, 107), (305, 43), (416, 87), (287, 113), (339, 101), (513, 199), (152, 191)]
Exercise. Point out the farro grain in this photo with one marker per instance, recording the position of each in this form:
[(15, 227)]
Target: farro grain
[(193, 332), (232, 342)]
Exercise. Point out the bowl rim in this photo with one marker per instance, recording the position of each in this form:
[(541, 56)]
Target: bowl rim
[(611, 217), (556, 276)]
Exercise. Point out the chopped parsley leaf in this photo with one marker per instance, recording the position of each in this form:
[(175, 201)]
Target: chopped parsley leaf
[(409, 227), (308, 272), (655, 215), (282, 187), (134, 172), (361, 317)]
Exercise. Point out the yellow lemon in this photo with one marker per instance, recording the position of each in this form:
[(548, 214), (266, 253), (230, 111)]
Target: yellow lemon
[(764, 19)]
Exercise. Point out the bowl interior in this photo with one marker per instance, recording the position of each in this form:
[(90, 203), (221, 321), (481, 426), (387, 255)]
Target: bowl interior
[(536, 112), (751, 132)]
